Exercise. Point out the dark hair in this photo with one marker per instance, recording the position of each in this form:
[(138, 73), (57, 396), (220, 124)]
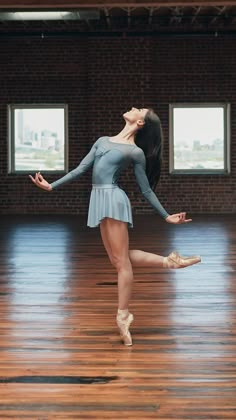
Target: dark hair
[(150, 139)]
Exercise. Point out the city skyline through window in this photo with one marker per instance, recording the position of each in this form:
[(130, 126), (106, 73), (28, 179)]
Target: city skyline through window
[(39, 138), (198, 139)]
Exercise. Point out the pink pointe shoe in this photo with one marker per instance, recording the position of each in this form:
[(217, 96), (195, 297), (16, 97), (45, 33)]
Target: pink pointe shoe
[(123, 325), (174, 260)]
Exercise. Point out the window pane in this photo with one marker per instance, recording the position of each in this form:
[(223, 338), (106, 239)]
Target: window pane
[(39, 137), (198, 138)]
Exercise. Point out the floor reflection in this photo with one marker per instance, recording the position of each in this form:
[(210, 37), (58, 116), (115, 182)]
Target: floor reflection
[(203, 293), (38, 257)]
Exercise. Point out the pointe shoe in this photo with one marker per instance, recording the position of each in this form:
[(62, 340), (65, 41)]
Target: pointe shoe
[(123, 325), (174, 260)]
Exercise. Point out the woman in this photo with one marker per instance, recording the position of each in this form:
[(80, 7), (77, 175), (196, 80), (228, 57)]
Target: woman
[(139, 142)]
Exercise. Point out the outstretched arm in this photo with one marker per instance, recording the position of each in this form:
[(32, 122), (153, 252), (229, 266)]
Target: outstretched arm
[(139, 162), (84, 165)]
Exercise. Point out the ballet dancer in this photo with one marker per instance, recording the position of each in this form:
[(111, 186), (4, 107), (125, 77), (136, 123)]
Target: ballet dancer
[(140, 143)]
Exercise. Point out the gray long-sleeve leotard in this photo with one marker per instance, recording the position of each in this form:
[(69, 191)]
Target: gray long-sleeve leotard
[(109, 159)]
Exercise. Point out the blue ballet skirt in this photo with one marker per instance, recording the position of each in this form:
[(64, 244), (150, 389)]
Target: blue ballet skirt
[(109, 159), (108, 200)]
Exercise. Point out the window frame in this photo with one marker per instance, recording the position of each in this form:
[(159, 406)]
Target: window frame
[(11, 137), (227, 139)]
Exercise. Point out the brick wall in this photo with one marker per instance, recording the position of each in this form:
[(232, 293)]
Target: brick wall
[(99, 79)]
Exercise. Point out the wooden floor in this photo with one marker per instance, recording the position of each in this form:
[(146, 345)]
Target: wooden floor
[(60, 353)]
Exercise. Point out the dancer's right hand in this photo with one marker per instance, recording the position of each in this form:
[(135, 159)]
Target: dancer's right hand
[(178, 218), (41, 182)]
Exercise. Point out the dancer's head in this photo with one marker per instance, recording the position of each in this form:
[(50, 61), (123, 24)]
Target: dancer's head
[(149, 137), (135, 118)]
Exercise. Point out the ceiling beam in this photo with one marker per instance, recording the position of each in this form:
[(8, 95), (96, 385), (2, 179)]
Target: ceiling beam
[(46, 4), (129, 16), (177, 15), (108, 18), (198, 10), (151, 10), (220, 12)]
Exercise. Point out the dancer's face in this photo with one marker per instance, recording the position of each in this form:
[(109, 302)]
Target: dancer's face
[(135, 115)]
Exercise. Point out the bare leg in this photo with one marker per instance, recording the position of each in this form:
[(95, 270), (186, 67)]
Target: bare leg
[(140, 258), (173, 260), (116, 241)]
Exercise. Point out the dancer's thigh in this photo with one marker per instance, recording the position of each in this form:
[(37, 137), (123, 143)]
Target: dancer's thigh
[(115, 238)]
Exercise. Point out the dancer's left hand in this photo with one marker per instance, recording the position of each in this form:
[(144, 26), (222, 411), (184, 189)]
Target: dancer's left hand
[(41, 182), (178, 218)]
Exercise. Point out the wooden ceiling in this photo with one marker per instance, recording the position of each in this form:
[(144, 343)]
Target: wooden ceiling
[(110, 3), (131, 17)]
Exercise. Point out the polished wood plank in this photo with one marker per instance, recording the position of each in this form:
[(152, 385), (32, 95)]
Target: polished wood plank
[(60, 353)]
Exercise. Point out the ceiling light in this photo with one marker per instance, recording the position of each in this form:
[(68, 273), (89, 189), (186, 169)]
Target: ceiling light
[(42, 15), (50, 15)]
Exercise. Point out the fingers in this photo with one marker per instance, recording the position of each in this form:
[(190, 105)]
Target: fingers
[(32, 179), (178, 218), (182, 218), (38, 178), (37, 182)]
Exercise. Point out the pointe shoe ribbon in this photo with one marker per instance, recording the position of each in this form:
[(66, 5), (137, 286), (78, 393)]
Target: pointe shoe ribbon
[(123, 325), (174, 260)]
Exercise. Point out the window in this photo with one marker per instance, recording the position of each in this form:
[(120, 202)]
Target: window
[(199, 138), (37, 138)]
